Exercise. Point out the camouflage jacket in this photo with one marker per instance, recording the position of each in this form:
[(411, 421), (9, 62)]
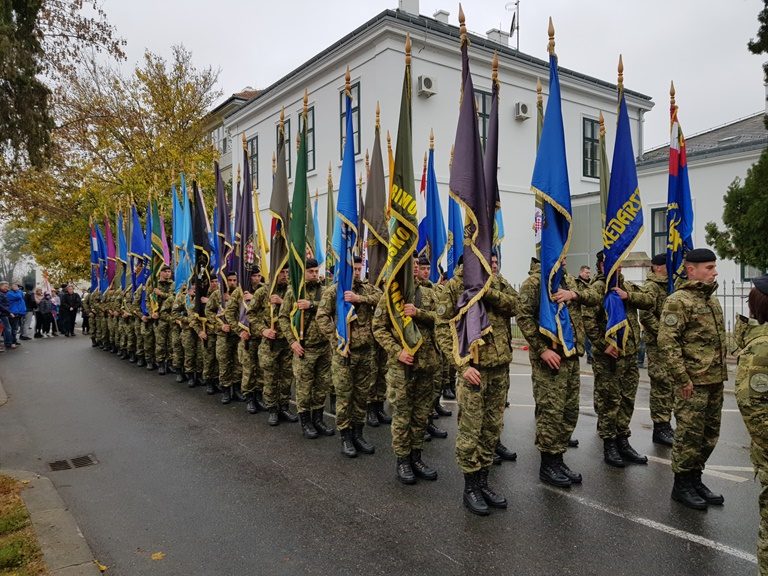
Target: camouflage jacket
[(166, 288), (501, 302), (136, 303), (265, 315), (656, 286), (313, 335), (179, 309), (361, 328), (752, 352), (595, 318), (165, 314), (86, 303), (127, 302), (427, 357), (212, 309), (528, 312), (232, 310), (691, 337), (252, 316)]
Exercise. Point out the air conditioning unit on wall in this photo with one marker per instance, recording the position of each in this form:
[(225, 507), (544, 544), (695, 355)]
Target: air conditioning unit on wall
[(521, 111), (427, 86)]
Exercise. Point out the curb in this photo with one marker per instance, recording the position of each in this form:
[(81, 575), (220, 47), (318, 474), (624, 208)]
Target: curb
[(64, 548)]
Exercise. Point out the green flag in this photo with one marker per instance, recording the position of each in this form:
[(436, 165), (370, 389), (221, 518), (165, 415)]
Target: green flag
[(403, 226), (297, 237), (605, 172), (375, 213)]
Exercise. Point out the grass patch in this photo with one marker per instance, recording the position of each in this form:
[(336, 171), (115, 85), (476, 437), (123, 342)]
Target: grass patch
[(19, 552)]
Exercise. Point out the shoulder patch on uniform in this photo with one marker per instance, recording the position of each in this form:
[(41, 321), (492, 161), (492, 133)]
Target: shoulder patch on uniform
[(670, 319), (759, 382), (379, 311), (441, 309)]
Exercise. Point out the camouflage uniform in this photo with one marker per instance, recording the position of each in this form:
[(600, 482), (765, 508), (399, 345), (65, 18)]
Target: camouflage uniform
[(556, 392), (190, 341), (662, 397), (692, 345), (106, 318), (311, 372), (752, 398), (616, 379), (211, 327), (178, 310), (481, 407), (409, 388), (148, 329), (226, 342), (354, 375), (249, 351), (89, 313), (128, 320), (138, 325), (164, 321), (274, 355)]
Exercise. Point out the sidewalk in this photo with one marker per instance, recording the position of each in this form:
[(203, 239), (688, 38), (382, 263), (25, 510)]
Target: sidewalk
[(64, 548)]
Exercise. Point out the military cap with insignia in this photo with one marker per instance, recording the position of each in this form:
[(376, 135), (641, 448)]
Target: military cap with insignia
[(699, 255), (761, 284)]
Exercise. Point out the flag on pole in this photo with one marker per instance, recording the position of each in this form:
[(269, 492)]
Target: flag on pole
[(261, 238), (319, 252), (102, 259), (550, 184), (490, 164), (330, 219), (122, 247), (421, 210), (111, 250), (200, 230), (156, 241), (376, 211), (538, 206), (245, 239), (138, 242), (222, 228), (164, 242), (455, 231), (605, 172), (437, 240), (679, 205), (624, 221), (280, 209), (94, 256)]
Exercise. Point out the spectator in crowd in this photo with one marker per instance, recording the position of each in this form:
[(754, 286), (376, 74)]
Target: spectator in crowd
[(29, 304), (5, 316), (38, 298), (56, 303), (70, 304), (44, 315), (86, 328), (18, 309)]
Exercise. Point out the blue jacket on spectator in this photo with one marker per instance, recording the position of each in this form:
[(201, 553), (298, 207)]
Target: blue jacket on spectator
[(16, 302)]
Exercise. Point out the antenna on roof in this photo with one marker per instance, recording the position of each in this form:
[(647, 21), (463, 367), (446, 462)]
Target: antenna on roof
[(514, 7)]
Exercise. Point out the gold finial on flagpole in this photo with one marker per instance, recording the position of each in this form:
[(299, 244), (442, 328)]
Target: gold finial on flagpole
[(672, 103), (274, 164), (378, 115), (407, 48), (282, 121), (539, 97), (495, 69), (551, 32), (425, 160), (329, 172), (348, 83), (431, 139), (621, 73), (602, 124), (238, 173), (245, 145), (462, 24), (306, 103), (367, 163)]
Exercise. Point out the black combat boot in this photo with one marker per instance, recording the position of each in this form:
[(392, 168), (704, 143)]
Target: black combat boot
[(285, 414), (195, 380), (663, 433), (574, 477), (491, 497), (121, 353), (274, 418), (573, 443), (140, 363), (332, 403), (383, 417), (226, 394), (701, 489), (611, 453), (317, 421), (497, 459), (372, 417), (162, 369), (361, 444), (505, 453), (237, 393), (151, 364), (347, 447), (251, 407), (434, 431), (684, 492), (440, 410), (132, 358), (211, 387), (550, 472), (181, 377), (473, 497), (172, 369), (307, 429), (628, 453), (420, 469), (449, 391), (405, 471), (259, 397)]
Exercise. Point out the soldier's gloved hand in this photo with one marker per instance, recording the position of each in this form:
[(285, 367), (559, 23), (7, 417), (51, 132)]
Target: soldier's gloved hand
[(551, 359), (405, 357), (472, 375), (687, 391), (297, 348), (155, 316)]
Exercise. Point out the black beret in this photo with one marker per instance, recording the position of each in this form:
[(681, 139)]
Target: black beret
[(761, 284), (535, 260), (255, 270), (164, 268), (231, 273), (600, 257), (311, 263), (285, 266), (424, 261), (659, 260), (358, 259), (698, 255)]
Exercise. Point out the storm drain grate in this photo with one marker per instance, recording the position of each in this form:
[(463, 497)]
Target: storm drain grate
[(77, 462)]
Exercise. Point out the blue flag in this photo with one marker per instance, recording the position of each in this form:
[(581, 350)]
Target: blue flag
[(435, 225), (319, 253), (345, 236), (623, 225), (679, 205), (137, 247), (455, 236), (102, 258), (122, 247), (550, 184), (94, 258)]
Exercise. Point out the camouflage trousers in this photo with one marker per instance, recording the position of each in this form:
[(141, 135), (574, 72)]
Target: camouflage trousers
[(482, 416), (94, 327), (148, 333), (249, 359), (130, 335), (698, 427), (556, 393), (662, 397), (210, 365), (103, 334), (753, 406), (410, 396), (275, 362), (138, 336), (226, 356), (112, 330), (312, 377), (162, 340), (378, 390), (616, 383), (353, 378), (177, 346), (193, 351)]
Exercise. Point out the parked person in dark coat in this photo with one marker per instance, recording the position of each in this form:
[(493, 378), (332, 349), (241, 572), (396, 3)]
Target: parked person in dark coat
[(70, 304)]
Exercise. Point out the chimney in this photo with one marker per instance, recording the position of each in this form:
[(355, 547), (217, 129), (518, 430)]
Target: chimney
[(498, 36), (441, 16), (408, 6)]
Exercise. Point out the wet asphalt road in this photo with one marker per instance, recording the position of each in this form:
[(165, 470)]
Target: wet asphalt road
[(219, 492)]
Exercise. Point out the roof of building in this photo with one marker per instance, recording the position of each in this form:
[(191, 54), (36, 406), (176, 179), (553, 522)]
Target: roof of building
[(425, 24), (238, 99), (740, 135)]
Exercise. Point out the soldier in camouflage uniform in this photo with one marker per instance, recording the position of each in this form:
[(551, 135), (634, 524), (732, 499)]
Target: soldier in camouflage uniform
[(129, 334), (555, 374), (178, 309), (190, 341), (164, 293), (311, 361), (692, 344), (616, 372), (752, 397), (353, 374), (106, 319), (481, 390), (274, 352), (89, 313), (251, 384), (208, 334), (227, 339), (148, 330), (138, 324), (662, 397)]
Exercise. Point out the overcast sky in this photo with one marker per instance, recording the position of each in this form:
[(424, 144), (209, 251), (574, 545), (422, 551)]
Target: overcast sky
[(700, 44)]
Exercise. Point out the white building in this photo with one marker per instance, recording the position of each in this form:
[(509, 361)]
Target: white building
[(374, 53)]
